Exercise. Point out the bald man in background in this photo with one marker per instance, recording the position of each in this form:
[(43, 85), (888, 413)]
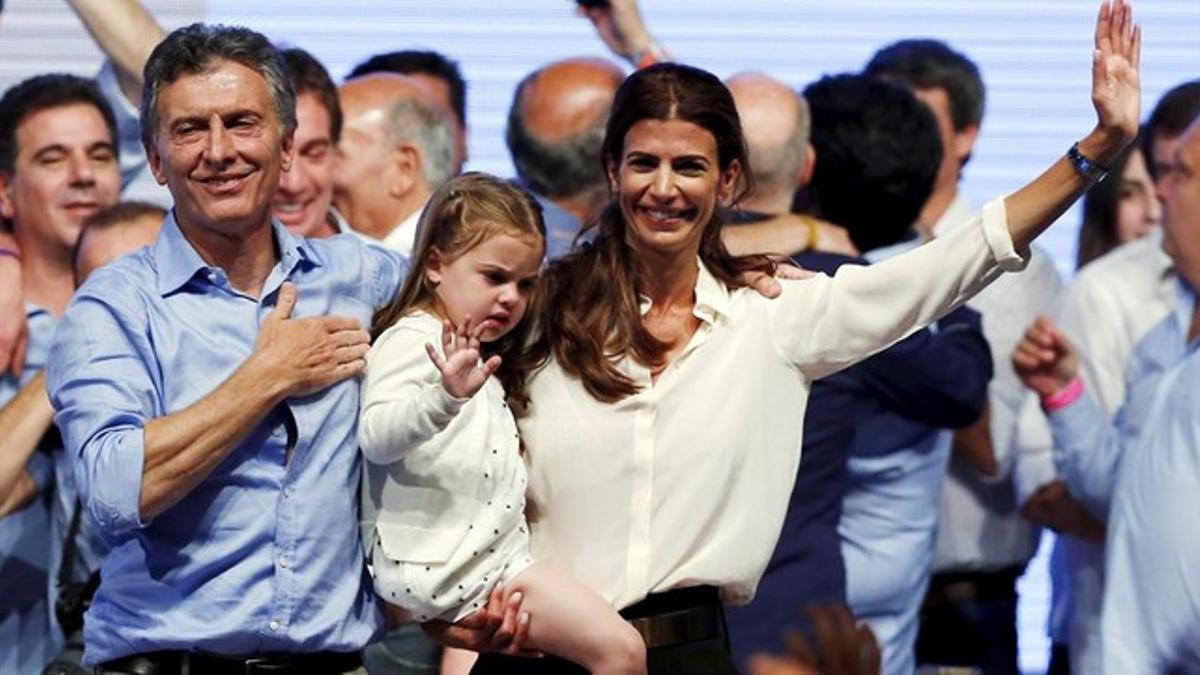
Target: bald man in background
[(441, 78), (776, 124), (397, 147), (555, 128)]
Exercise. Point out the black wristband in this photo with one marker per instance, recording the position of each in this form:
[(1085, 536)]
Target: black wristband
[(1087, 168)]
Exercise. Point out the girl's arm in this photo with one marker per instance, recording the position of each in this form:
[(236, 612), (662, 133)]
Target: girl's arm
[(412, 390)]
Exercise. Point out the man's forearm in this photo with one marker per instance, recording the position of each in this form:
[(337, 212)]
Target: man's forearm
[(24, 420), (20, 496), (126, 32), (183, 448)]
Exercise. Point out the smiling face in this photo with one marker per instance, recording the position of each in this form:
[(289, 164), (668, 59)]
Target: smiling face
[(65, 171), (668, 184), (306, 190), (491, 282), (219, 148)]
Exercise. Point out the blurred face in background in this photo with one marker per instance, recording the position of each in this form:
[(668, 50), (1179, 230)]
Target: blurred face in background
[(1138, 208), (306, 190), (64, 172)]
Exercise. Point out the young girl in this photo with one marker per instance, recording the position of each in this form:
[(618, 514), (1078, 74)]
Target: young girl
[(445, 484)]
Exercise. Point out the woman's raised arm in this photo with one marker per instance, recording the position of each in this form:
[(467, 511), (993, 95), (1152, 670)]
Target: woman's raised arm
[(1116, 95)]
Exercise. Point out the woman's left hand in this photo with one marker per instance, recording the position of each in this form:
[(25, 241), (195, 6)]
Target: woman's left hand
[(1116, 83)]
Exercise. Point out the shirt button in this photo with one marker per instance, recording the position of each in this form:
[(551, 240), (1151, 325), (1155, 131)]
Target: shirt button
[(283, 562), (274, 625)]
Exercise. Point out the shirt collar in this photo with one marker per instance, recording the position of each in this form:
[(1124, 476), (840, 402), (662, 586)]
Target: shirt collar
[(403, 237), (1185, 303), (712, 297), (178, 261)]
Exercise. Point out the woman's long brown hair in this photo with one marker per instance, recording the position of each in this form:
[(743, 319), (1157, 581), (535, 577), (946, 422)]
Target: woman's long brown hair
[(461, 214), (590, 316)]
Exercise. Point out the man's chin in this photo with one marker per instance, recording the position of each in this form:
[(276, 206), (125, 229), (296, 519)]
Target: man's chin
[(302, 224)]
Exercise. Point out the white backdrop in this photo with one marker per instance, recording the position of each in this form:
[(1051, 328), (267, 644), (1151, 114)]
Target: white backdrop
[(1034, 54)]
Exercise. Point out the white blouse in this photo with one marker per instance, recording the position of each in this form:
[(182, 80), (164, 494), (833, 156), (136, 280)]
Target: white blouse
[(687, 482)]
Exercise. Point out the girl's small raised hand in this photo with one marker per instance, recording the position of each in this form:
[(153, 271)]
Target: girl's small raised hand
[(463, 373)]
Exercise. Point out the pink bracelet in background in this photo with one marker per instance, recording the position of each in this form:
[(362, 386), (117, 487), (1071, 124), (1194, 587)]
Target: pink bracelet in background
[(10, 252), (1063, 397)]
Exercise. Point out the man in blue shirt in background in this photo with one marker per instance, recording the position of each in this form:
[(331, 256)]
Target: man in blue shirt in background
[(891, 402), (1142, 471), (206, 388), (58, 167)]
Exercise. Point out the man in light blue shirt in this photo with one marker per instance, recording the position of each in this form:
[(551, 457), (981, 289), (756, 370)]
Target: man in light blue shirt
[(58, 166), (1143, 471), (206, 387)]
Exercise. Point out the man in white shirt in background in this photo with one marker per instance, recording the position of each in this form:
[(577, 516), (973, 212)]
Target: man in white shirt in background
[(1108, 307), (983, 543), (397, 147)]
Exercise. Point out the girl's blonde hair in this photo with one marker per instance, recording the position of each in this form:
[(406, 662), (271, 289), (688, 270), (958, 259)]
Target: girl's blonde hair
[(463, 213)]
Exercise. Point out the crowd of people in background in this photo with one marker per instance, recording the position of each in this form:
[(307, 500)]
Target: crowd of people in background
[(737, 359)]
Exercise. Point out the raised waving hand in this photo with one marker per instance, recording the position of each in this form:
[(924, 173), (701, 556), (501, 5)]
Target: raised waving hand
[(1116, 82), (462, 371)]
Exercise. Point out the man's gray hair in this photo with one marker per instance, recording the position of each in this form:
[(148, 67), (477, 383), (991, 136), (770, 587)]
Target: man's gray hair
[(198, 48), (778, 166), (411, 120)]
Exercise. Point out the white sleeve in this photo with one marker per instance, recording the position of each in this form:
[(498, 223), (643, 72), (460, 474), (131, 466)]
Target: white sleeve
[(824, 324), (403, 401), (1091, 320)]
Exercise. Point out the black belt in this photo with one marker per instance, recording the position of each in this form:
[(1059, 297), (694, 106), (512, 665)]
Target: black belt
[(954, 587), (677, 617), (197, 663)]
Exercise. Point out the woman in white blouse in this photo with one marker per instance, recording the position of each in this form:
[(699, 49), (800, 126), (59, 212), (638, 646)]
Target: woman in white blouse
[(663, 436)]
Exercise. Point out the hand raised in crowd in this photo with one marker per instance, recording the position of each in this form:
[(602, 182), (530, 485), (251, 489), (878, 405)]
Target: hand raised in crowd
[(463, 373), (1044, 360), (619, 24), (304, 356), (842, 648), (500, 627), (1116, 84)]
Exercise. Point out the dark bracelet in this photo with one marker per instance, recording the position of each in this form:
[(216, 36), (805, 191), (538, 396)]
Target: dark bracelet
[(1087, 168)]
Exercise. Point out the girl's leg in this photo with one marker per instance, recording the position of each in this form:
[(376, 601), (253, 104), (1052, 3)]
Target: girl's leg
[(457, 661), (568, 620)]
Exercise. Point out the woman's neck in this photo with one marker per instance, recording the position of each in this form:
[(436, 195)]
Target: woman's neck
[(668, 280)]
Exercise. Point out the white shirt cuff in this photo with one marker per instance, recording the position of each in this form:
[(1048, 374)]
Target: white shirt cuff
[(995, 231)]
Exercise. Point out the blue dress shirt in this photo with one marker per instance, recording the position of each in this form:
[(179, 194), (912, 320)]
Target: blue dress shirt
[(561, 227), (890, 513), (1145, 468), (938, 377), (264, 554), (1087, 447), (26, 640)]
